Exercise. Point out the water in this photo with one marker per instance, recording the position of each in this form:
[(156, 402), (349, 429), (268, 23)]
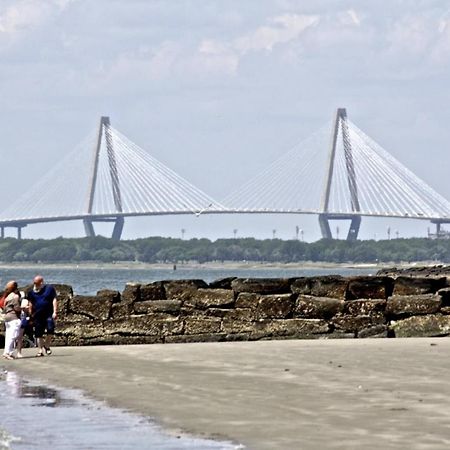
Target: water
[(36, 417), (88, 280)]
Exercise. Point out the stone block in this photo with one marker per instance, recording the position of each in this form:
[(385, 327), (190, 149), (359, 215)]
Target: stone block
[(81, 330), (333, 286), (301, 286), (91, 306), (412, 305), (445, 295), (146, 325), (63, 290), (422, 326), (418, 285), (377, 331), (158, 306), (291, 327), (182, 289), (122, 309), (210, 298), (237, 326), (369, 287), (247, 300), (262, 285), (131, 293), (222, 283), (202, 325), (152, 291), (353, 324), (364, 307), (114, 296), (191, 338), (275, 306), (317, 307)]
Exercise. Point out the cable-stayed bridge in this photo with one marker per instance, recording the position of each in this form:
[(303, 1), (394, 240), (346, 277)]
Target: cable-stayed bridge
[(340, 174)]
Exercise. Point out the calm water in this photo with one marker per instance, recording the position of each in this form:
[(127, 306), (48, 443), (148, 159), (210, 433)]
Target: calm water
[(35, 417), (90, 280)]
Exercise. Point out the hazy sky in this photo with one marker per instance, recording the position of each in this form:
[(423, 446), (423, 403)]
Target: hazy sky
[(218, 89)]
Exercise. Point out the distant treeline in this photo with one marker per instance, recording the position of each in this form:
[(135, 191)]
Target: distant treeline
[(168, 250)]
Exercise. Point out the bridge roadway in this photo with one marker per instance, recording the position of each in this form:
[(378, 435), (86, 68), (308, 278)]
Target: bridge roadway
[(22, 223)]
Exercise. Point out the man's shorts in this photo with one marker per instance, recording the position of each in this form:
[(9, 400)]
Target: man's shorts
[(43, 325)]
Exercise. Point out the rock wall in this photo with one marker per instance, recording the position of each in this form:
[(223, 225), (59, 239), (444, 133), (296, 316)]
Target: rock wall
[(234, 309)]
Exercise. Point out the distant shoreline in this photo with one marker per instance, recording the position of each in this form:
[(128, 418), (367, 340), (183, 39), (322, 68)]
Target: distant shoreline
[(213, 265)]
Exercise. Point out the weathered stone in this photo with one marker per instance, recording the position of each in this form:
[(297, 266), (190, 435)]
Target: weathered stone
[(317, 307), (82, 330), (152, 291), (275, 306), (422, 326), (368, 287), (333, 286), (301, 286), (134, 325), (122, 309), (338, 334), (291, 327), (377, 331), (418, 285), (237, 326), (349, 323), (247, 300), (158, 306), (202, 325), (210, 298), (131, 293), (94, 307), (63, 290), (113, 339), (445, 295), (412, 305), (222, 283), (182, 289), (190, 338), (262, 285), (445, 310), (364, 307), (114, 296), (63, 307)]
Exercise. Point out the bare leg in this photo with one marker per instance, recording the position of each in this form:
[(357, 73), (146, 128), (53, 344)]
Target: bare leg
[(40, 344), (19, 344)]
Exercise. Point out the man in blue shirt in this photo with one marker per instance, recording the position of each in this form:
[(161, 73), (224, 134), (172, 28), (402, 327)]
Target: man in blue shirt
[(44, 309)]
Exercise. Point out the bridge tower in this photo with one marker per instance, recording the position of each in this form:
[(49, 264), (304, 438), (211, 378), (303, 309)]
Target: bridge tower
[(325, 216), (104, 131)]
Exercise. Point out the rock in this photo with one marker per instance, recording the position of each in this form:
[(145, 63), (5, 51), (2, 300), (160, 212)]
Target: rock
[(364, 307), (122, 310), (262, 285), (223, 283), (247, 300), (317, 307), (349, 323), (182, 289), (62, 290), (158, 306), (114, 296), (332, 286), (131, 293), (237, 325), (94, 307), (152, 291), (377, 331), (369, 287), (190, 338), (422, 326), (411, 305), (275, 306), (210, 298), (418, 285), (291, 327), (445, 295), (202, 325), (145, 325)]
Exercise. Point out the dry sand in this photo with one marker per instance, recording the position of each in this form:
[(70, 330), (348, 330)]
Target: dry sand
[(336, 394)]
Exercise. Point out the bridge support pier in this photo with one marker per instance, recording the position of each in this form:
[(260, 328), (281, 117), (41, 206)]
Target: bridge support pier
[(117, 230), (440, 233), (2, 232), (355, 223)]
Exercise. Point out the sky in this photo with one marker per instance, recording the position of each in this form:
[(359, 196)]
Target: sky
[(217, 90)]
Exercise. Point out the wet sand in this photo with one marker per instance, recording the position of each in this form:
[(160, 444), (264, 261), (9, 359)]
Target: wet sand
[(340, 394)]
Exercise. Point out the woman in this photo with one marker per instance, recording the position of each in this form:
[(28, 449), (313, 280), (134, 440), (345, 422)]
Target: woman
[(12, 318)]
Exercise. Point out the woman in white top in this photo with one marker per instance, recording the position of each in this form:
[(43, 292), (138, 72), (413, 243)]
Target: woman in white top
[(12, 318)]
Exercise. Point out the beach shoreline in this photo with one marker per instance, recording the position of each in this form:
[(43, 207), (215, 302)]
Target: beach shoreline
[(270, 394)]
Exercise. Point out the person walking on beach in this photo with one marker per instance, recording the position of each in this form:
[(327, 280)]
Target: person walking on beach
[(25, 323), (44, 307), (12, 318)]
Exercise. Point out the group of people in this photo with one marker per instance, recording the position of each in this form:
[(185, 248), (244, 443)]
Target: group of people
[(34, 311)]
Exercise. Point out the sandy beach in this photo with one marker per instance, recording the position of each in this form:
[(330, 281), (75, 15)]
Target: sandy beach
[(340, 394)]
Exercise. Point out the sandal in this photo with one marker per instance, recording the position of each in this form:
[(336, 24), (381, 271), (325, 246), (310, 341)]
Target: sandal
[(48, 350), (39, 354), (8, 356)]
